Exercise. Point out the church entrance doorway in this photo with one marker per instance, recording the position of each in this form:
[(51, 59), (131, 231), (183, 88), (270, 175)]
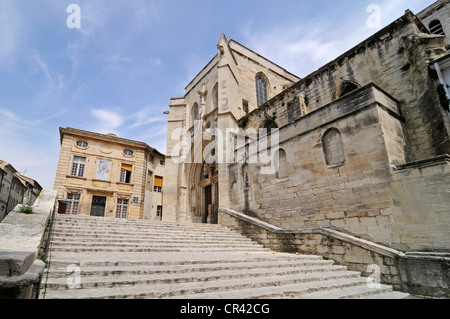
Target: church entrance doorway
[(208, 204)]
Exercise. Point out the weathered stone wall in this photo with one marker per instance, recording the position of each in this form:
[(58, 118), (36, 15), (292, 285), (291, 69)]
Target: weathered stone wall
[(395, 59), (417, 273), (350, 196), (378, 133), (421, 205), (439, 10), (364, 195)]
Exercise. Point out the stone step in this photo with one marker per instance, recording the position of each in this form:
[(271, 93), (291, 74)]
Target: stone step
[(143, 244), (164, 290), (148, 249), (296, 291), (146, 231), (117, 234), (61, 270), (62, 238), (363, 291), (204, 276), (59, 259), (93, 219), (115, 222), (150, 259)]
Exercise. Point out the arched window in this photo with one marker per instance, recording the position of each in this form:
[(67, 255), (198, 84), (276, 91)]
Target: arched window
[(436, 27), (216, 95), (195, 113), (261, 90), (345, 88), (333, 148), (270, 125), (281, 164)]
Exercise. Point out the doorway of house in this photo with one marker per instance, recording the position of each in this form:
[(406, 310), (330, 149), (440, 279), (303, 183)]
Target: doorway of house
[(98, 206)]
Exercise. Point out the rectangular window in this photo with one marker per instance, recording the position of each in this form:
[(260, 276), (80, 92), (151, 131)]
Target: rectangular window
[(159, 211), (73, 204), (122, 208), (78, 166), (125, 173), (162, 163), (149, 180), (158, 185)]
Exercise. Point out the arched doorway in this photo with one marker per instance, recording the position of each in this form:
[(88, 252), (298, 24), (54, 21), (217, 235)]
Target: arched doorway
[(204, 194)]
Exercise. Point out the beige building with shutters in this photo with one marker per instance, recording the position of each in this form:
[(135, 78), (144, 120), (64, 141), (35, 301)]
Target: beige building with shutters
[(108, 176)]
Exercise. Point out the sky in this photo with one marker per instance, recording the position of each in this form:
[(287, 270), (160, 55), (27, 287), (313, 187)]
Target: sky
[(116, 71)]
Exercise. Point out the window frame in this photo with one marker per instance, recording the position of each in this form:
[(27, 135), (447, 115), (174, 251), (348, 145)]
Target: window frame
[(159, 210), (128, 152), (78, 167), (262, 89), (122, 208), (73, 203), (437, 27), (126, 175), (83, 145)]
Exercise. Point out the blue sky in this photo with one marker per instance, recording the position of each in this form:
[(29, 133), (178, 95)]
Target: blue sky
[(117, 73)]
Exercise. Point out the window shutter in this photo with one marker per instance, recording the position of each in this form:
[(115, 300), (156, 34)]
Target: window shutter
[(158, 181), (128, 168)]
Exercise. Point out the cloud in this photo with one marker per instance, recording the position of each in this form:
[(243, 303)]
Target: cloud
[(145, 116), (106, 121), (53, 80), (304, 46)]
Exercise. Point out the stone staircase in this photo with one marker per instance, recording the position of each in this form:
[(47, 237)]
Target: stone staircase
[(102, 258)]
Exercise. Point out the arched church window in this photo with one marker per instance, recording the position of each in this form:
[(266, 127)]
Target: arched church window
[(216, 95), (333, 148), (261, 90), (196, 112), (436, 27)]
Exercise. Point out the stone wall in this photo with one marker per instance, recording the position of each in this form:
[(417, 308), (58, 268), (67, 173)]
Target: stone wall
[(22, 237), (355, 182), (417, 273), (396, 60), (421, 204), (369, 194)]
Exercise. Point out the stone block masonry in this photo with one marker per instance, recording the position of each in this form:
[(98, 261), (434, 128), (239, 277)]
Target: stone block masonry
[(418, 273), (363, 191), (22, 238)]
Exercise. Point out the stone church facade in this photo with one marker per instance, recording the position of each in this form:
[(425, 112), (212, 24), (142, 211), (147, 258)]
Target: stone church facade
[(360, 145)]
